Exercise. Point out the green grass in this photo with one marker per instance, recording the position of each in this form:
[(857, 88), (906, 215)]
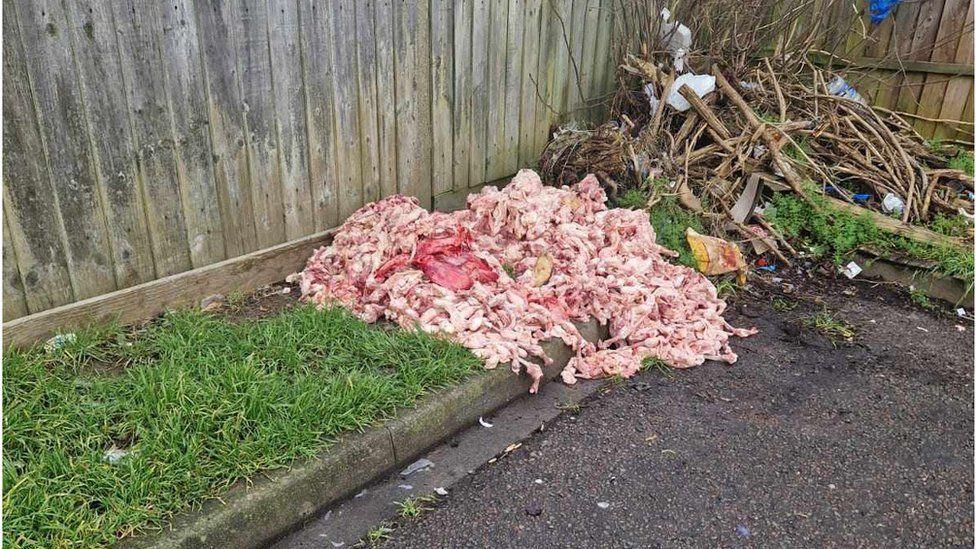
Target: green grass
[(919, 298), (781, 305), (198, 403), (962, 161), (669, 220), (833, 233)]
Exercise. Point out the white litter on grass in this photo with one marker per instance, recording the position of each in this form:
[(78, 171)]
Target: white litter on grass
[(603, 505), (59, 341), (440, 491), (114, 455), (851, 270), (484, 423), (419, 465)]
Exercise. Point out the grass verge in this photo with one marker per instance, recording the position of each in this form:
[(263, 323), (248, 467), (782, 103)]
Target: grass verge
[(116, 431)]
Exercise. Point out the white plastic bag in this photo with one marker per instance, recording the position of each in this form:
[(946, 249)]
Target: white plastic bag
[(702, 84)]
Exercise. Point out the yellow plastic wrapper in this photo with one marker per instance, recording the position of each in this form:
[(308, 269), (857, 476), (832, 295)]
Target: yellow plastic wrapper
[(716, 256)]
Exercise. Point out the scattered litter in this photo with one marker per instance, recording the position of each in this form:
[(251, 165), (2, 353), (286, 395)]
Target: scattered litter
[(405, 486), (743, 531), (892, 204), (880, 9), (286, 290), (960, 328), (114, 455), (440, 491), (360, 494), (484, 423), (701, 84), (603, 505), (921, 329), (212, 302), (421, 464), (961, 312), (538, 481), (851, 270), (715, 256), (338, 543), (652, 99), (839, 87), (767, 268), (832, 486), (677, 37), (512, 447), (58, 341)]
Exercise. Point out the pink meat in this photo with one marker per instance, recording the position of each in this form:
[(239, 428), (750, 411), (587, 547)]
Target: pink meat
[(443, 273)]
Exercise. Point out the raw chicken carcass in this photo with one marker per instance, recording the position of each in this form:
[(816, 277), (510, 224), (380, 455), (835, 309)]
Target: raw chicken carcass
[(449, 274)]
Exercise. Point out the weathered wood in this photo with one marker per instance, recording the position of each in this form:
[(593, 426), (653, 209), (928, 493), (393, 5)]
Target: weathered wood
[(289, 103), (194, 157), (411, 40), (386, 97), (442, 94), (513, 85), (61, 113), (259, 124), (96, 56), (33, 226), (548, 41), (344, 71), (317, 55), (152, 132), (463, 96), (497, 43), (366, 76), (221, 35), (14, 302), (591, 31), (531, 39), (144, 301), (481, 85), (574, 75), (604, 62)]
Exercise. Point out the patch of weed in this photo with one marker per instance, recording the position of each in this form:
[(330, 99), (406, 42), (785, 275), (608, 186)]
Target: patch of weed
[(919, 298), (834, 329), (962, 161), (415, 506), (727, 288), (783, 305), (376, 536), (955, 225)]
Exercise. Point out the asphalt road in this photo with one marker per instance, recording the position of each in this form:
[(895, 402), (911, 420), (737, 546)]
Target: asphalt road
[(801, 443)]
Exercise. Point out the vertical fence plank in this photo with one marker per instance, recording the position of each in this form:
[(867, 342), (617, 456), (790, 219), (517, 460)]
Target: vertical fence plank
[(57, 92), (544, 68), (561, 79), (14, 302), (604, 63), (221, 36), (412, 61), (480, 84), (33, 227), (348, 163), (463, 97), (194, 153), (96, 56), (574, 77), (497, 43), (317, 55), (259, 128), (513, 86), (590, 30), (949, 33), (386, 97), (956, 101), (442, 94), (527, 153), (152, 124), (369, 137), (289, 103)]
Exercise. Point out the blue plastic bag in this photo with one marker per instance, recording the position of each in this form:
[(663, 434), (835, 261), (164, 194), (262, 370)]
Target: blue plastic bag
[(881, 8)]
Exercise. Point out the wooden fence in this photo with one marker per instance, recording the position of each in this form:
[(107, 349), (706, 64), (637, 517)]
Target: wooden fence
[(919, 61), (144, 138)]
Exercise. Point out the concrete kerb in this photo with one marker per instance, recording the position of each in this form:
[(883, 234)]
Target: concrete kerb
[(255, 514)]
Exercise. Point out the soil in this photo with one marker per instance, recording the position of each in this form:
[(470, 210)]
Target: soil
[(806, 441)]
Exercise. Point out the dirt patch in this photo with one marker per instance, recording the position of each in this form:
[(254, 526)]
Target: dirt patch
[(264, 302)]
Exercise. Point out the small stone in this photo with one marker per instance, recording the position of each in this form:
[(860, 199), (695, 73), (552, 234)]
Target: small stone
[(533, 509)]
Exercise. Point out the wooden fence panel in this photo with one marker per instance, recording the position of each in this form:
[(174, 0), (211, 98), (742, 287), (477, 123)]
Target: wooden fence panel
[(144, 139)]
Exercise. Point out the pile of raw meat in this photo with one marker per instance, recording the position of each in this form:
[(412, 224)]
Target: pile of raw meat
[(516, 268)]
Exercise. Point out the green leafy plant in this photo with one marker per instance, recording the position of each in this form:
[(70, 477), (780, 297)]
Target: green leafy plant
[(783, 305), (834, 329), (415, 506), (919, 298)]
